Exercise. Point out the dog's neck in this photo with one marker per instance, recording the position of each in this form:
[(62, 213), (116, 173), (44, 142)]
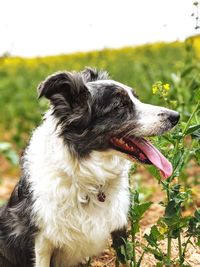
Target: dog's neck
[(48, 155)]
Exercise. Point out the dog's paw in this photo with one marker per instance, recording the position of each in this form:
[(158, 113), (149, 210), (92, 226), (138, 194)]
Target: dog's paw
[(84, 262)]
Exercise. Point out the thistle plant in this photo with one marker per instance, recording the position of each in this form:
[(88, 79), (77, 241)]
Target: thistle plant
[(181, 146)]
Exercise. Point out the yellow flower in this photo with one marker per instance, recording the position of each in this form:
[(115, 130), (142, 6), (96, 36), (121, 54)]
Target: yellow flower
[(154, 89), (162, 229), (166, 87), (165, 93)]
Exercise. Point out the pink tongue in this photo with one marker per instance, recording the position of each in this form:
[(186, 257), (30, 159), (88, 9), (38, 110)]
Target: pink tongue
[(154, 156)]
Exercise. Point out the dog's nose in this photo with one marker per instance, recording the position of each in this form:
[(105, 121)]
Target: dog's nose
[(174, 118)]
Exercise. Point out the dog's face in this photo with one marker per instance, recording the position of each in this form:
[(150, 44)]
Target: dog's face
[(96, 113)]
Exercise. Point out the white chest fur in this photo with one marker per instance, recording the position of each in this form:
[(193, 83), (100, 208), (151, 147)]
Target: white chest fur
[(65, 191)]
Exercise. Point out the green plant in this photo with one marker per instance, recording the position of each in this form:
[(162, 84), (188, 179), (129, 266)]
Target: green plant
[(181, 145), (9, 153), (127, 252)]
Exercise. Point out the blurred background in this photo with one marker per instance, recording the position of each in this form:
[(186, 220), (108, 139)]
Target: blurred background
[(139, 43)]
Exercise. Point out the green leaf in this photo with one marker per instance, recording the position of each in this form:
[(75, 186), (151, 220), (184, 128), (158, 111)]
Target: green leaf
[(12, 156), (194, 225), (198, 241), (197, 215), (155, 252), (136, 197), (192, 129), (139, 209), (121, 254), (2, 202), (135, 228), (152, 242), (172, 215), (156, 233), (197, 95), (158, 257), (154, 236), (129, 250), (187, 70), (196, 134), (4, 146), (177, 158), (171, 209), (132, 170), (178, 162), (154, 171), (175, 189), (9, 153), (197, 155), (175, 233)]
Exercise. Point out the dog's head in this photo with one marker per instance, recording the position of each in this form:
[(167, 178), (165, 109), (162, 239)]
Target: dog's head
[(97, 113)]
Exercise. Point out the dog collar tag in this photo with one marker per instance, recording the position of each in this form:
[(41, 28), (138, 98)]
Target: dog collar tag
[(101, 196)]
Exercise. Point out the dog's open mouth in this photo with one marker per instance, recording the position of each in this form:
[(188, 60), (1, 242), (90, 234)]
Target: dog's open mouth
[(143, 151)]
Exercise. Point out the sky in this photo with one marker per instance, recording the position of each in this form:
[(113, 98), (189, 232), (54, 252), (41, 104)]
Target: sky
[(48, 27)]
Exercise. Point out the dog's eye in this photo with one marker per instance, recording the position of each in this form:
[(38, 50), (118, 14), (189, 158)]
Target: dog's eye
[(115, 104), (119, 104)]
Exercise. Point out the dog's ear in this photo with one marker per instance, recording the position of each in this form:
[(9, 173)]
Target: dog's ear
[(91, 74), (64, 86)]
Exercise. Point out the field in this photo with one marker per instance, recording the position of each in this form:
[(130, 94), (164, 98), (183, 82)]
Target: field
[(164, 227)]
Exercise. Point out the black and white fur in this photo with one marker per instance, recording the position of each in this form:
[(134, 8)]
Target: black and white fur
[(54, 217)]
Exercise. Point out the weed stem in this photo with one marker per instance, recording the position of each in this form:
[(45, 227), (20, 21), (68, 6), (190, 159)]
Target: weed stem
[(134, 254), (186, 243), (180, 249), (169, 248)]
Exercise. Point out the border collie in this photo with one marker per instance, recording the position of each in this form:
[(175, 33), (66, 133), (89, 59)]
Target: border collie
[(73, 192)]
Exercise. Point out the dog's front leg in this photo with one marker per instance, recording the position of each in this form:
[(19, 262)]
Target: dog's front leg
[(43, 251)]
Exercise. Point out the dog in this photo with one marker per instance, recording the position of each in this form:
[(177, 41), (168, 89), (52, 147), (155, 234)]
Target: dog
[(74, 190)]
